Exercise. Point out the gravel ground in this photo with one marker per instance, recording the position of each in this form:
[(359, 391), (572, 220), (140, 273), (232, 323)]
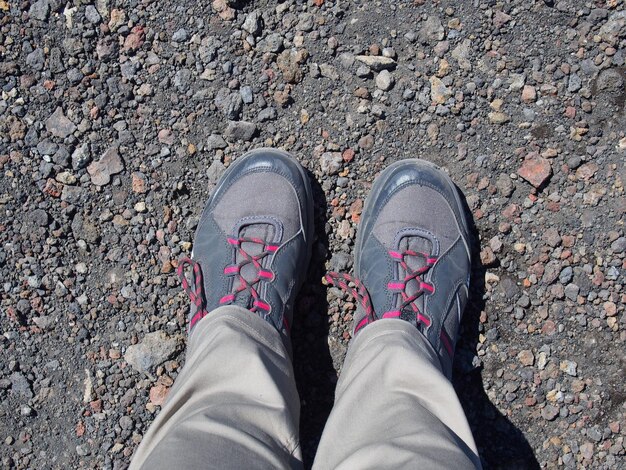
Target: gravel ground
[(117, 118)]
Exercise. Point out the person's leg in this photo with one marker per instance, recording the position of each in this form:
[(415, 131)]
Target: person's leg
[(395, 406), (235, 403)]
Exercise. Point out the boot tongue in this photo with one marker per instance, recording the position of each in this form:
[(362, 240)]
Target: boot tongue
[(419, 245), (262, 231)]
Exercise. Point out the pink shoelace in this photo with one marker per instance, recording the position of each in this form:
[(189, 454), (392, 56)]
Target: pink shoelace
[(195, 288), (361, 295)]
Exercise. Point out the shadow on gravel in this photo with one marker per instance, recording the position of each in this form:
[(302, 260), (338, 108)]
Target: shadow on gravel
[(313, 366), (500, 443)]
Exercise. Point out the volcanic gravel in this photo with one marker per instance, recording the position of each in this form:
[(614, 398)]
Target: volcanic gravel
[(118, 117)]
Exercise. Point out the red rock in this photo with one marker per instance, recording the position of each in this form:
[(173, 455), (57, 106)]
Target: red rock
[(529, 94), (228, 14), (53, 188), (511, 211), (109, 164), (96, 405), (487, 257), (536, 170), (548, 328), (158, 394), (139, 183), (568, 240), (135, 39), (500, 19), (166, 137), (80, 429), (553, 206), (355, 209), (348, 155), (586, 171), (570, 112), (220, 5)]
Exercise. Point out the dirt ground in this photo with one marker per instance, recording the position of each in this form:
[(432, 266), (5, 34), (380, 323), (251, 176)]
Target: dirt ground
[(118, 117)]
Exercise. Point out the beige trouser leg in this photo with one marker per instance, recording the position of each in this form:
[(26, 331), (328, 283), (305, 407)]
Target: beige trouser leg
[(394, 408), (234, 404)]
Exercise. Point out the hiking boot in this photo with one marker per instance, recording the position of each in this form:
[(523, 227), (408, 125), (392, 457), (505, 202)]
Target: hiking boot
[(253, 242), (412, 255)]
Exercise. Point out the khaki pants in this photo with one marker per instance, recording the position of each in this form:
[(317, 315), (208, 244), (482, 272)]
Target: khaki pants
[(235, 404)]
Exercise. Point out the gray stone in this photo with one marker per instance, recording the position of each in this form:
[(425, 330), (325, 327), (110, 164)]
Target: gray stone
[(229, 103), (39, 10), (253, 24), (23, 306), (47, 147), (153, 350), (549, 412), (92, 15), (505, 185), (567, 273), (377, 63), (106, 49), (612, 274), (81, 156), (571, 292), (363, 71), (384, 80), (85, 229), (126, 422), (574, 83), (594, 433), (613, 29), (240, 130), (180, 35), (59, 125), (619, 245), (588, 67), (44, 322), (83, 450), (432, 30), (20, 385), (182, 78), (36, 59), (267, 114), (569, 367), (273, 43), (75, 76), (411, 36), (598, 14), (408, 94), (508, 288), (215, 171), (216, 141), (246, 94), (38, 217), (329, 71), (462, 54), (331, 162), (306, 22), (347, 60), (609, 80)]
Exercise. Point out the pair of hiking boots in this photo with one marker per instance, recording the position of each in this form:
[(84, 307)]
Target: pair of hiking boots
[(411, 259)]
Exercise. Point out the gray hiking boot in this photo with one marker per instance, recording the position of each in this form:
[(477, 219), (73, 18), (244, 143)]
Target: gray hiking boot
[(253, 243), (412, 256)]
